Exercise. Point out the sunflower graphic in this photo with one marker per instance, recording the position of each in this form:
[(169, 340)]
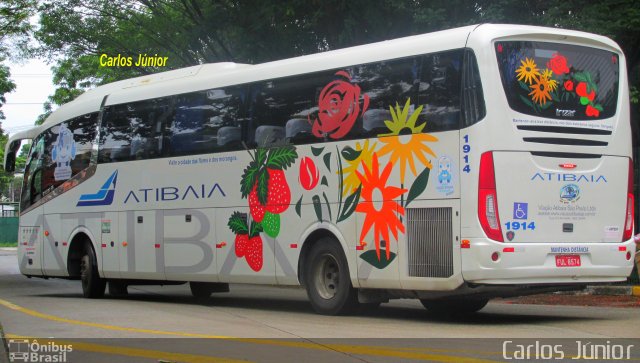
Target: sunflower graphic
[(548, 74), (406, 148), (528, 71), (351, 181), (378, 205), (540, 91)]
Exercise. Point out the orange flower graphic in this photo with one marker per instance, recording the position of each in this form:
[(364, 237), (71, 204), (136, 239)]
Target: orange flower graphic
[(378, 205)]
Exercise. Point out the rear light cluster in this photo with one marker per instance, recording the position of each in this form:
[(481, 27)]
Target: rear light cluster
[(488, 199), (628, 222)]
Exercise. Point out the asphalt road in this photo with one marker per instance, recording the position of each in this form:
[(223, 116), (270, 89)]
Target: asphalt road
[(269, 324)]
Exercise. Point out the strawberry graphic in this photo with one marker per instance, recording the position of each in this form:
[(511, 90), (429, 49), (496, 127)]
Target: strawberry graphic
[(241, 243), (256, 208), (279, 194), (238, 225), (254, 253), (248, 243), (265, 186), (271, 224)]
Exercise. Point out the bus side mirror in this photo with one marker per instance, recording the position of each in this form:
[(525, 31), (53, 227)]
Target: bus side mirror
[(10, 157)]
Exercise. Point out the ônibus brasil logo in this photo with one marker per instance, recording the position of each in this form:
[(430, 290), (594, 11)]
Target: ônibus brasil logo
[(104, 196)]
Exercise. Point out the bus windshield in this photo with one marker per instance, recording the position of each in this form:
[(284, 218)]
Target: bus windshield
[(559, 81)]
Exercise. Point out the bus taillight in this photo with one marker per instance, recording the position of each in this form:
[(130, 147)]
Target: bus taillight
[(628, 223), (488, 199)]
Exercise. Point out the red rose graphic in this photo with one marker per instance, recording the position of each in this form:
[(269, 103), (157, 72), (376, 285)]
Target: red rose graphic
[(558, 64), (309, 174), (592, 111), (568, 85), (339, 107)]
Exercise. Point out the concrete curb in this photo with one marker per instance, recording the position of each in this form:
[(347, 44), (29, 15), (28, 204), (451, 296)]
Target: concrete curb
[(613, 290)]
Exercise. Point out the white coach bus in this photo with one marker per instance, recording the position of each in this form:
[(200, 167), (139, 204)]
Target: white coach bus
[(452, 167)]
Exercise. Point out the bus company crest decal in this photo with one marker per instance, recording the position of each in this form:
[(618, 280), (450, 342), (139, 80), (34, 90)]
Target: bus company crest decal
[(104, 196)]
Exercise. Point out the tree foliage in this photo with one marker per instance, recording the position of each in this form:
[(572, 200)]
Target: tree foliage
[(191, 32)]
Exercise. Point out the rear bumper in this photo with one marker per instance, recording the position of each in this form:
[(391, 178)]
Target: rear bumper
[(535, 263)]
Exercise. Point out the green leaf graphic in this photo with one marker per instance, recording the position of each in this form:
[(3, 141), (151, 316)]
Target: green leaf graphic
[(350, 154), (580, 77), (299, 207), (327, 160), (523, 86), (326, 201), (419, 185), (317, 150), (263, 186), (281, 158), (372, 258), (527, 101), (249, 177), (237, 223), (350, 205), (256, 228), (324, 181), (317, 206)]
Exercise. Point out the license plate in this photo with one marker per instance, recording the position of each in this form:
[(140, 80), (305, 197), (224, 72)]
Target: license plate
[(567, 260)]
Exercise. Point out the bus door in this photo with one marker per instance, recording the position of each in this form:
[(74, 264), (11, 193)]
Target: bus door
[(111, 245), (189, 253), (53, 248), (31, 220), (141, 254)]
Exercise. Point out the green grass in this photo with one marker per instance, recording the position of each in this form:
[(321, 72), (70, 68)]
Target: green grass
[(8, 244)]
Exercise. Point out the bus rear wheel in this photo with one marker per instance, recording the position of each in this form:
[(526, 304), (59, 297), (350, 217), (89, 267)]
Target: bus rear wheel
[(92, 284), (327, 279), (454, 305)]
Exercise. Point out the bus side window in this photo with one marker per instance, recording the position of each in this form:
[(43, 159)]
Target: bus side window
[(473, 107), (32, 183), (281, 109), (439, 92), (205, 122)]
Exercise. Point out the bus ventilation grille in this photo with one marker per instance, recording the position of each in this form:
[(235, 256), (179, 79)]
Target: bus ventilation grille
[(430, 242)]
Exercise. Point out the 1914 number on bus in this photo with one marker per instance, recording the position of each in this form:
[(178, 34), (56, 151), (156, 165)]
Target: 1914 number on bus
[(520, 225)]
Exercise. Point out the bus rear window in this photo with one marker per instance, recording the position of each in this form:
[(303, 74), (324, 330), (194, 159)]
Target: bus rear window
[(559, 81)]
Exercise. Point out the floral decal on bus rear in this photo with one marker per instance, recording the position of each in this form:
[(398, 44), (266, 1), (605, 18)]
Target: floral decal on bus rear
[(339, 105), (543, 85)]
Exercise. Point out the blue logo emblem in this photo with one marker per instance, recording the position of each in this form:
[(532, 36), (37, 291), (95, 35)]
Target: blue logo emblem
[(520, 210), (104, 196), (569, 193)]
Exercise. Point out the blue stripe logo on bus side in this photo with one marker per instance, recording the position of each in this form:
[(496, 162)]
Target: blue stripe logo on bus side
[(104, 196)]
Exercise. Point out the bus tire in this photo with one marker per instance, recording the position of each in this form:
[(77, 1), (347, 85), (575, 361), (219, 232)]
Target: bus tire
[(118, 289), (327, 279), (454, 305), (201, 290), (92, 284)]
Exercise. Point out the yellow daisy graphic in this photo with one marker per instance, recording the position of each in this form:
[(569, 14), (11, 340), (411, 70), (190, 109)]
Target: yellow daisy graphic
[(351, 180), (547, 74), (540, 91), (404, 149), (528, 71), (400, 122)]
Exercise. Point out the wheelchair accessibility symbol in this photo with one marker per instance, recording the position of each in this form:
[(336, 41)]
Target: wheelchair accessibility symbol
[(520, 210)]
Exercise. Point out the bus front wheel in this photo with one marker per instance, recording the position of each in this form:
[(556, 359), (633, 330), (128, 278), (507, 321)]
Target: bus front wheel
[(92, 285), (327, 279), (454, 305)]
